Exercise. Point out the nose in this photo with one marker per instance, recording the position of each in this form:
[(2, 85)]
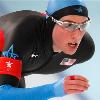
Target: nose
[(77, 34)]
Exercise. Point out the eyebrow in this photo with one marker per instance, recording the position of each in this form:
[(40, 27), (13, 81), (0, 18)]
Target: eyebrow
[(72, 21), (68, 21)]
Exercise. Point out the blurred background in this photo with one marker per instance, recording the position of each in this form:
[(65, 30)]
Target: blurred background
[(89, 69)]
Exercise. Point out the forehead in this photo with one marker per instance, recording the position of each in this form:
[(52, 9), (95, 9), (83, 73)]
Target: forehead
[(74, 18)]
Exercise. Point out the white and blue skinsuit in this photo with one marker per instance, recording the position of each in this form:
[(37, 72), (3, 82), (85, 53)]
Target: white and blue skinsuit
[(26, 48)]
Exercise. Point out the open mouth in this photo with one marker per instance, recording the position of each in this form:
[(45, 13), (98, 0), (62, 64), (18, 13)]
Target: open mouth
[(72, 45)]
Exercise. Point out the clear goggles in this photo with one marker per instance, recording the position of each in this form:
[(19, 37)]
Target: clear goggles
[(71, 26)]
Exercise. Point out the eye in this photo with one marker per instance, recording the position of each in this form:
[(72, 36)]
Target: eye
[(66, 25), (69, 25), (84, 26)]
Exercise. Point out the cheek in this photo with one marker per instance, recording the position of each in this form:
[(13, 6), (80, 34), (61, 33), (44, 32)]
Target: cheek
[(60, 35)]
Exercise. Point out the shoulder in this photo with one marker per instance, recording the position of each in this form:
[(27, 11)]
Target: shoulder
[(20, 16)]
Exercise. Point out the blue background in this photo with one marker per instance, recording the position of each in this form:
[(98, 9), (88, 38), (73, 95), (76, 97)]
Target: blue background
[(88, 69)]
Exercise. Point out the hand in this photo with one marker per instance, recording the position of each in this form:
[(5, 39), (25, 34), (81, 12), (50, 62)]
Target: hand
[(75, 84)]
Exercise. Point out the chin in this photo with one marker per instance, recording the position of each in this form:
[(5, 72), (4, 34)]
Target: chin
[(70, 52)]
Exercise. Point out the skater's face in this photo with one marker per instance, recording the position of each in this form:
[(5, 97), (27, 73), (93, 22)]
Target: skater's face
[(68, 35)]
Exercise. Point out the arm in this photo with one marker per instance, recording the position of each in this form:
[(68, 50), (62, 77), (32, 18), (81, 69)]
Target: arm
[(68, 85), (7, 92)]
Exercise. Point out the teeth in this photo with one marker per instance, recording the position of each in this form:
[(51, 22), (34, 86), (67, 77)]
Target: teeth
[(72, 44)]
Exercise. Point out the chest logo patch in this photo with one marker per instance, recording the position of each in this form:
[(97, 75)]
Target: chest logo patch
[(68, 61)]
